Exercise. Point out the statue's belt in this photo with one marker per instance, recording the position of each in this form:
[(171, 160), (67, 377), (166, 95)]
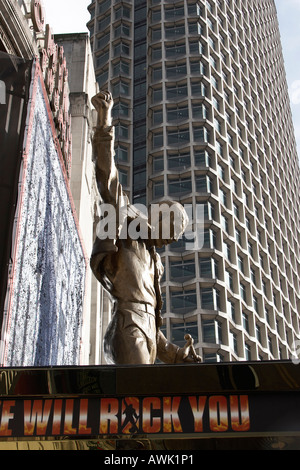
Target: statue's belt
[(147, 308)]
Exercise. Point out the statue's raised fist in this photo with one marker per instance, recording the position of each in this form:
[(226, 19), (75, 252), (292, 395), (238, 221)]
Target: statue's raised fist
[(103, 103)]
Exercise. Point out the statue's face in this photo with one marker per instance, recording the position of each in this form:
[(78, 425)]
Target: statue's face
[(168, 223)]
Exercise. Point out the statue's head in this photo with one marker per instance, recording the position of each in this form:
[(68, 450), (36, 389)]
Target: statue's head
[(168, 221)]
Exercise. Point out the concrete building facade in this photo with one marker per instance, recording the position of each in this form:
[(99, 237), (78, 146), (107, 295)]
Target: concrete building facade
[(83, 87), (202, 116)]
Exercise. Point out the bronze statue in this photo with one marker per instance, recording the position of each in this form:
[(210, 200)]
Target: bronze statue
[(130, 269)]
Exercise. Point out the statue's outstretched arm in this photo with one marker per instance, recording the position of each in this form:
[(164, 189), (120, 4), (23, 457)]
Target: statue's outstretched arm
[(104, 138)]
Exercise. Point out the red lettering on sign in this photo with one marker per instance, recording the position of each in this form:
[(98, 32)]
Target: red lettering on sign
[(6, 416), (68, 426), (218, 414), (108, 416), (83, 413), (239, 410), (197, 407), (57, 413), (151, 424), (171, 418), (36, 416)]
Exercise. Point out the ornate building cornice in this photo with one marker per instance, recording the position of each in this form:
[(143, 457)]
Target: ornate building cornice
[(15, 31)]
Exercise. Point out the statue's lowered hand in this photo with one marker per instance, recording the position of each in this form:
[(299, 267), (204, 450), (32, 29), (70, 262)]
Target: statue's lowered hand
[(188, 353)]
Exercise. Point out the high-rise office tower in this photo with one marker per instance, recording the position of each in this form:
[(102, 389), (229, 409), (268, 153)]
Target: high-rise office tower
[(202, 116)]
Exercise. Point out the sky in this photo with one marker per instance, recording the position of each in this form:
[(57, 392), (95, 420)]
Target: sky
[(71, 16)]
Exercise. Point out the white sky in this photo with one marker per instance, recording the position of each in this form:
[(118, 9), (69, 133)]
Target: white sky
[(71, 16)]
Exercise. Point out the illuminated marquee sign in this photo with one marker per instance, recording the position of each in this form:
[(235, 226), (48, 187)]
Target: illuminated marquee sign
[(130, 415), (217, 415)]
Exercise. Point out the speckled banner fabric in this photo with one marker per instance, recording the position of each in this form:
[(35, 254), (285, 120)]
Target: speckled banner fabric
[(43, 325)]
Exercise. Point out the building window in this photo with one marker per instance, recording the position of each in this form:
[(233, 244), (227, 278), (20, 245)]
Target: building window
[(157, 73), (201, 134), (103, 41), (238, 236), (122, 30), (241, 263), (179, 330), (225, 223), (270, 344), (102, 78), (197, 68), (122, 12), (122, 131), (157, 116), (173, 12), (120, 88), (223, 197), (227, 251), (247, 352), (195, 28), (199, 111), (120, 110), (158, 163), (231, 310), (121, 68), (233, 342), (158, 189), (157, 140), (175, 50), (258, 333), (123, 177), (179, 186), (243, 292), (156, 34), (156, 95), (229, 280), (184, 301), (103, 6), (203, 184), (174, 31), (178, 91), (245, 320), (209, 239), (209, 331), (103, 23), (156, 15), (174, 71), (178, 137), (202, 158), (177, 113), (209, 298), (196, 47), (178, 160), (121, 49), (183, 269), (208, 268), (156, 53), (255, 304), (121, 154), (198, 89)]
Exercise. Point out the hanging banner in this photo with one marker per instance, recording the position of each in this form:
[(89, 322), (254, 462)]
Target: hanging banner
[(151, 416), (15, 77), (46, 290)]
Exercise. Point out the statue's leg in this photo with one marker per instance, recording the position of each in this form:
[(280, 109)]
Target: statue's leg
[(127, 343)]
